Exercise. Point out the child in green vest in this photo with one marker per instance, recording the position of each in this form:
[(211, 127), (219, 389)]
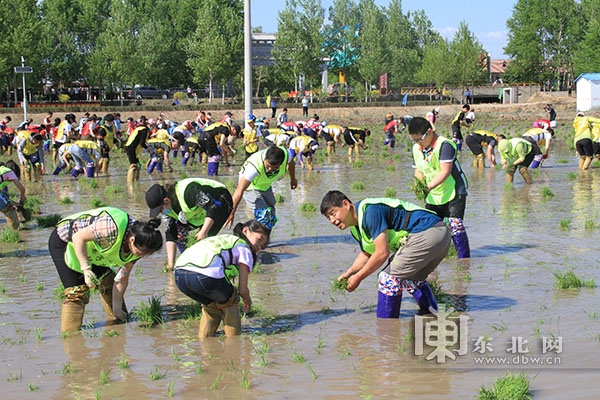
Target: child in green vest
[(205, 272), (10, 172)]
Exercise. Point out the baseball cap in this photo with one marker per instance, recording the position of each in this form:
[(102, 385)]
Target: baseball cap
[(251, 118), (154, 199)]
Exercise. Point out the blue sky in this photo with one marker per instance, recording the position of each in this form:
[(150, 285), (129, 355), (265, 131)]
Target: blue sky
[(486, 18)]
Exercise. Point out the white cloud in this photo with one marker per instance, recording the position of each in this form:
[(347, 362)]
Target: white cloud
[(495, 35), (447, 32)]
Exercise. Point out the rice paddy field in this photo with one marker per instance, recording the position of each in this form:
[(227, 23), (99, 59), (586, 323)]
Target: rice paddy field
[(526, 297)]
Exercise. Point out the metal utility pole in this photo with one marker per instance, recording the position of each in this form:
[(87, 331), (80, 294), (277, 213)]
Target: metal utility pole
[(247, 60)]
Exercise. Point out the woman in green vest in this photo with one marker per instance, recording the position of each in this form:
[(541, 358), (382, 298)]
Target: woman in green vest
[(205, 272), (515, 153), (436, 164), (189, 204), (415, 237), (98, 248), (10, 172), (257, 175)]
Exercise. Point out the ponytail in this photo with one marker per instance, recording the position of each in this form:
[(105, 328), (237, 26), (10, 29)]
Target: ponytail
[(147, 236)]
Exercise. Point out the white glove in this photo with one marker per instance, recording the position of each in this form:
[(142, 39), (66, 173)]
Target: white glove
[(89, 276)]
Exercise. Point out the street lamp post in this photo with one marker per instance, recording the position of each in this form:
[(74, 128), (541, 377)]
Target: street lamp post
[(247, 60)]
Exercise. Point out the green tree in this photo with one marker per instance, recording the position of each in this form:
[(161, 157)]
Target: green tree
[(542, 39), (437, 66), (406, 36), (20, 37), (215, 48), (371, 63), (298, 46), (468, 55), (587, 55)]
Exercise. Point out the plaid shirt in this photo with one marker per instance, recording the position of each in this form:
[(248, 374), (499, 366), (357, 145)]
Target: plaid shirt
[(105, 229)]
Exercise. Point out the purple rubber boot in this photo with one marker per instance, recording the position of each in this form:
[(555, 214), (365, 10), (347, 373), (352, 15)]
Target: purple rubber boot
[(213, 168), (90, 169), (425, 299), (388, 306), (151, 166), (461, 242)]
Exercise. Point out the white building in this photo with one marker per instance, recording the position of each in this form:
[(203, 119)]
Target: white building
[(588, 91)]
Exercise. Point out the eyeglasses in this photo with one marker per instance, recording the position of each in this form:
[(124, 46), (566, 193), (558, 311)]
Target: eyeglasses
[(419, 139)]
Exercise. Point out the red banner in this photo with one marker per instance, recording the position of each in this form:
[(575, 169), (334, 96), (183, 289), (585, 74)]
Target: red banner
[(383, 83)]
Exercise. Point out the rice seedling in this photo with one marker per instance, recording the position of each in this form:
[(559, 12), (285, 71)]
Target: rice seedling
[(590, 224), (565, 223), (390, 168), (65, 200), (312, 372), (93, 184), (192, 312), (568, 280), (123, 363), (396, 157), (113, 189), (96, 202), (468, 278), (64, 335), (48, 221), (298, 358), (111, 333), (509, 386), (420, 190), (244, 380), (15, 376), (198, 368), (98, 393), (174, 355), (67, 369), (216, 381), (39, 287), (59, 292), (2, 288), (183, 175), (562, 161), (308, 207), (170, 388), (509, 186), (262, 352), (32, 387), (439, 293), (358, 186), (546, 192), (501, 327), (38, 334), (150, 312), (389, 192), (22, 278), (571, 176), (104, 376), (31, 205), (357, 164), (497, 167), (339, 285), (452, 252), (156, 374), (9, 236), (279, 198)]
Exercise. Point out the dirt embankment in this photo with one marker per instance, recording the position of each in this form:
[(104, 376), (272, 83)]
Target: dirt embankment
[(533, 109)]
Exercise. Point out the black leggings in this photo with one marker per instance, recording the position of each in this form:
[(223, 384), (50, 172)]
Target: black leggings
[(132, 154), (535, 148), (68, 276), (585, 147), (455, 208)]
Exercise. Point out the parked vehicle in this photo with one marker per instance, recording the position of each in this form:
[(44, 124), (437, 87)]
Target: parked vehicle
[(339, 88), (146, 92)]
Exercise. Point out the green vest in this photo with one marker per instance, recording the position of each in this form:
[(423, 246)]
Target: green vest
[(193, 216), (110, 257), (262, 181), (203, 253), (4, 170), (444, 192), (511, 155), (395, 238)]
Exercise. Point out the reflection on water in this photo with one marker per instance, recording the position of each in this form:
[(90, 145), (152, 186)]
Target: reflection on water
[(310, 340)]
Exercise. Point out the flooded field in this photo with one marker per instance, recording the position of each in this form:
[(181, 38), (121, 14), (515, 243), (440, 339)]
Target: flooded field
[(307, 341)]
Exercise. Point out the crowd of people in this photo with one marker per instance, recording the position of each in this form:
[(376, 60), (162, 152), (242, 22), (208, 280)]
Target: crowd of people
[(406, 242)]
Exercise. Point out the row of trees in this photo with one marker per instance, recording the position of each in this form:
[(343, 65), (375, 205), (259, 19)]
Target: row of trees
[(364, 41), (553, 40), (173, 43)]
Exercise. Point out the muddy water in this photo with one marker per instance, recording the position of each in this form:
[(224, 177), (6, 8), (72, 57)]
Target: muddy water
[(315, 343)]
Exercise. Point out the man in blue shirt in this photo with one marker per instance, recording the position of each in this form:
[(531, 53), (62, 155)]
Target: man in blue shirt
[(416, 239)]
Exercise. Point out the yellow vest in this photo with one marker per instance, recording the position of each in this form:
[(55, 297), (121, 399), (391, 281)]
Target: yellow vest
[(29, 148), (250, 135), (61, 136)]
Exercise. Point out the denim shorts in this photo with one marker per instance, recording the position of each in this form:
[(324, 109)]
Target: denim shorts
[(202, 288)]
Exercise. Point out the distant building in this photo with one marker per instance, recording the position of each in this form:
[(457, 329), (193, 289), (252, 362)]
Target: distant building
[(497, 69), (588, 91)]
